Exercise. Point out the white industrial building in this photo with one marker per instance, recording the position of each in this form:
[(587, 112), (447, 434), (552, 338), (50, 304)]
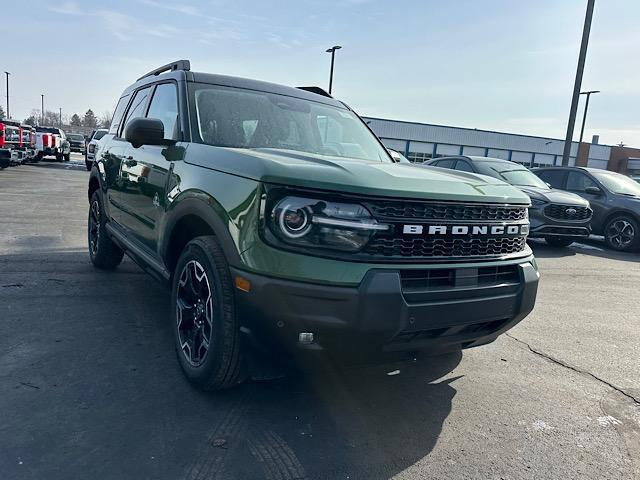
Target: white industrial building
[(421, 141)]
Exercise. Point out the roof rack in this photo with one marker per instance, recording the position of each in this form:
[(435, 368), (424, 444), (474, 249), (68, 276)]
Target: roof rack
[(316, 90), (169, 67)]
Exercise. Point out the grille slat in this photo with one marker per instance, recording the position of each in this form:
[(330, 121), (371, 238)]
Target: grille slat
[(407, 210), (444, 247), (559, 212)]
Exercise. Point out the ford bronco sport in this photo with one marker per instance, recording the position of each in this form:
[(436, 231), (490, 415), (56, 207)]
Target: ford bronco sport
[(278, 219)]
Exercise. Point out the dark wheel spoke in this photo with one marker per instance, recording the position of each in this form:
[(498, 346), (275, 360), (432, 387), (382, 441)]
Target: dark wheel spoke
[(194, 312)]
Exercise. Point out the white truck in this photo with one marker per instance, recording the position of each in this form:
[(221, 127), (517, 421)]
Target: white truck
[(52, 142)]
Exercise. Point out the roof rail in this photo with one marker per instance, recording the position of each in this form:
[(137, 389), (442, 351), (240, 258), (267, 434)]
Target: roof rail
[(169, 67), (316, 90)]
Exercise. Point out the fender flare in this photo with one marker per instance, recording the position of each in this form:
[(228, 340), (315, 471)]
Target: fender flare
[(210, 214)]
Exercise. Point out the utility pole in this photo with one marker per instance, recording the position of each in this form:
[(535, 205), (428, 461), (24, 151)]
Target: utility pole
[(332, 51), (578, 82), (42, 111), (60, 117), (586, 107), (8, 114)]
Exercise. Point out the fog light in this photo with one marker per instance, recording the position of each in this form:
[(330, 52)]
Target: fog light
[(305, 338)]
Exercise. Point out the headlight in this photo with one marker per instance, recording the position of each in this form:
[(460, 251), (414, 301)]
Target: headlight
[(316, 223)]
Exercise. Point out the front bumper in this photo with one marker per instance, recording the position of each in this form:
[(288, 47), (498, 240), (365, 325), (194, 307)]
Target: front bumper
[(434, 309)]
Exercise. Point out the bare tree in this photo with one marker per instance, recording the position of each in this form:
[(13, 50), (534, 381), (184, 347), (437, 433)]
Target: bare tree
[(105, 119)]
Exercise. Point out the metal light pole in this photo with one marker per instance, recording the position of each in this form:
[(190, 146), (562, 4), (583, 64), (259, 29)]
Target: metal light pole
[(60, 121), (578, 82), (586, 107), (332, 51), (8, 114), (42, 111)]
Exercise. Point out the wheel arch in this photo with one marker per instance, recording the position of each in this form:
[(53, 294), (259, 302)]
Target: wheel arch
[(191, 218), (620, 213), (94, 183)]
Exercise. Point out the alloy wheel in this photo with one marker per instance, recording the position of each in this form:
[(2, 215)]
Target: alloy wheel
[(94, 227), (194, 313), (621, 233)]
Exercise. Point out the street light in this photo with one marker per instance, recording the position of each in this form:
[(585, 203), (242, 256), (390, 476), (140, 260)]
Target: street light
[(7, 74), (42, 111), (586, 107), (332, 51)]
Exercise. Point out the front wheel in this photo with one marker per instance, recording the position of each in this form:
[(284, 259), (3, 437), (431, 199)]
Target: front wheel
[(104, 254), (203, 317), (558, 242), (622, 233), (67, 157)]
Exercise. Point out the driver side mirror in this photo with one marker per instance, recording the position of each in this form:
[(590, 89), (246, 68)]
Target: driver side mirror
[(145, 131), (593, 191)]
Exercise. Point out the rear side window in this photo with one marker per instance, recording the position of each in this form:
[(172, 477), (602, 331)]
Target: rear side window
[(137, 108), (448, 163), (164, 107), (555, 178), (464, 166), (99, 134), (117, 116)]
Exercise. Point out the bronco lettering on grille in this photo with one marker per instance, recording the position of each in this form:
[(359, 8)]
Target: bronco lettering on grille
[(466, 229)]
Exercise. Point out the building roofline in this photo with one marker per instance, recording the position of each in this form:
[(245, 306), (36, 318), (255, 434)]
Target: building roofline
[(481, 130)]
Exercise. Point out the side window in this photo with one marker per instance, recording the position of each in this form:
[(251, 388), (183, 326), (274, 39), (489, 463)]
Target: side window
[(117, 116), (555, 178), (447, 163), (464, 166), (137, 107), (164, 107), (579, 182)]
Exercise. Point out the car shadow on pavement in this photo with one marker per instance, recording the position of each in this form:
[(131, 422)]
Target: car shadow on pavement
[(93, 385), (592, 248)]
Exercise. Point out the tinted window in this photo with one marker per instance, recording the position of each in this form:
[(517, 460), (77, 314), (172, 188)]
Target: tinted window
[(554, 178), (99, 134), (117, 115), (579, 182), (137, 107), (164, 107), (448, 163), (464, 166)]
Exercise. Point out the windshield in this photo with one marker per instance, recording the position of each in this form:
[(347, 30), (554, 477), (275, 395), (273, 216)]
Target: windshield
[(75, 137), (236, 118), (99, 134), (511, 173), (618, 183)]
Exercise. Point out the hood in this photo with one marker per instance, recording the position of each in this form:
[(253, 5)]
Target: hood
[(301, 169), (555, 196)]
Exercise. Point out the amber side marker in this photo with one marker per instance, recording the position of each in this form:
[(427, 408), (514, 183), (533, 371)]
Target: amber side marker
[(243, 284)]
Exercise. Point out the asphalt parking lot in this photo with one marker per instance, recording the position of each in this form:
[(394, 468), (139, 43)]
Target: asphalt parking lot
[(90, 387)]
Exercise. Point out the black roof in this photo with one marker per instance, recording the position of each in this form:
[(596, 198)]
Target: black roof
[(173, 71), (10, 122)]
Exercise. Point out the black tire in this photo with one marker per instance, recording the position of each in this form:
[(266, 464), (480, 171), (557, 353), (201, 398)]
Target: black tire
[(59, 157), (202, 301), (622, 233), (104, 254), (559, 242), (67, 157), (88, 165), (38, 157)]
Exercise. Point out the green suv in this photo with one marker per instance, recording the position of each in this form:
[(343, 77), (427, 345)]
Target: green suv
[(280, 222)]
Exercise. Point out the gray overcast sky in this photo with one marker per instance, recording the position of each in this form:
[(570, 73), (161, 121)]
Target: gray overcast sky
[(496, 64)]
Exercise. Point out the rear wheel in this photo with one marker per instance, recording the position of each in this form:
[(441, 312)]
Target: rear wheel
[(88, 164), (206, 330), (67, 157), (559, 242), (104, 254), (59, 157), (622, 233)]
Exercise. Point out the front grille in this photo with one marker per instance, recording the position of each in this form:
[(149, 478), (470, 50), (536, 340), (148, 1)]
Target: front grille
[(444, 247), (559, 212), (395, 210)]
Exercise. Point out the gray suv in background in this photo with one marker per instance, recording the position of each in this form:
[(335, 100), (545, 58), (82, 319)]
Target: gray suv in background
[(558, 217), (614, 198)]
